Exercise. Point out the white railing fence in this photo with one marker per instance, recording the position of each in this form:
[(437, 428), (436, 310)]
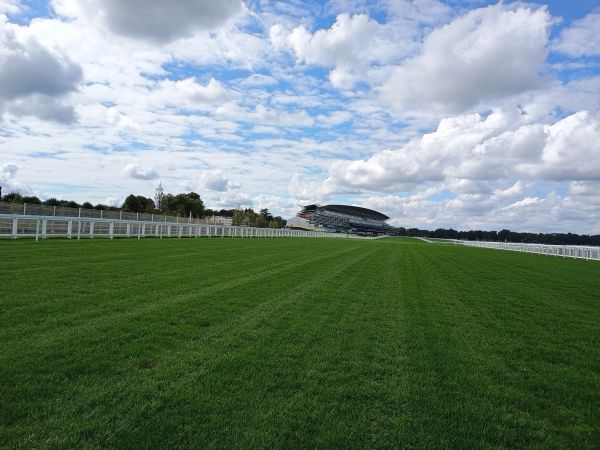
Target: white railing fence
[(41, 227), (29, 209), (565, 251)]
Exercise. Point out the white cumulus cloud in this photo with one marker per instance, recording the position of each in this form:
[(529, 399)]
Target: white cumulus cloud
[(139, 173), (216, 181), (489, 53), (8, 171), (190, 92), (582, 38), (473, 147), (35, 80), (8, 180), (350, 46)]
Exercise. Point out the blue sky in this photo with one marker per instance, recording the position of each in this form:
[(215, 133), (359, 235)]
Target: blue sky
[(470, 114)]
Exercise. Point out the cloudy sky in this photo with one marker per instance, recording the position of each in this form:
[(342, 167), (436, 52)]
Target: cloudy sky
[(439, 113)]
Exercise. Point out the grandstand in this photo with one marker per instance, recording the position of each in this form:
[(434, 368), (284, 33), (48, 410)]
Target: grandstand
[(342, 219)]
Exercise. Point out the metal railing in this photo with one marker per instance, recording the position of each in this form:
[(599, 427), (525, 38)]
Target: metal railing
[(29, 209), (565, 251), (41, 227)]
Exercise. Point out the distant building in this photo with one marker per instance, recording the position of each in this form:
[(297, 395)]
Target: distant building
[(219, 220), (341, 219)]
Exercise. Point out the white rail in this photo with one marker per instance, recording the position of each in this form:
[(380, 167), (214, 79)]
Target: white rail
[(29, 209), (41, 227), (565, 251)]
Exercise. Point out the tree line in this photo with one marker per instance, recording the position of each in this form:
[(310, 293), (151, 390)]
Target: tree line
[(15, 197), (262, 219), (181, 205), (504, 236)]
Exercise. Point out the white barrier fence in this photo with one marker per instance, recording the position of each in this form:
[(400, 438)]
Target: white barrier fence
[(42, 227), (31, 209), (566, 251)]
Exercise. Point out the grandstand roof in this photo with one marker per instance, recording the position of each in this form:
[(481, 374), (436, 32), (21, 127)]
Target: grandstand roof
[(355, 211)]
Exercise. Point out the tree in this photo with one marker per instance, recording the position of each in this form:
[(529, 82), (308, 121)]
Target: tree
[(31, 199), (149, 206), (159, 196), (266, 214), (138, 204), (226, 212), (87, 205), (132, 204), (13, 197), (183, 205), (504, 235), (237, 218), (280, 221), (260, 222), (51, 202), (250, 217)]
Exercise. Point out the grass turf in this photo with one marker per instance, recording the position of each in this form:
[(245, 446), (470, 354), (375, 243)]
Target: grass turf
[(295, 343)]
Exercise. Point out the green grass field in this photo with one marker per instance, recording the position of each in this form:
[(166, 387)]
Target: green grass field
[(291, 343)]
